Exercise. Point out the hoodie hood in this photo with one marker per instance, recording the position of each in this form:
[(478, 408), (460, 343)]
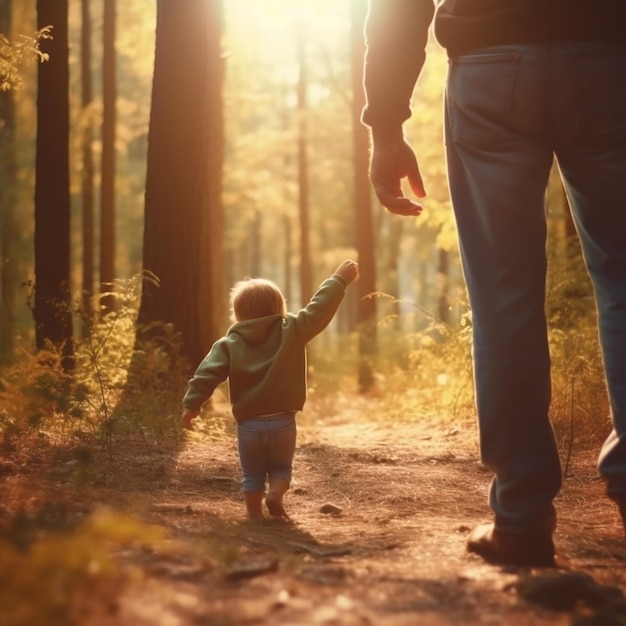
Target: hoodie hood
[(258, 330)]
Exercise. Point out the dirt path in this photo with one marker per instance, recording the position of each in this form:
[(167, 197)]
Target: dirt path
[(390, 551)]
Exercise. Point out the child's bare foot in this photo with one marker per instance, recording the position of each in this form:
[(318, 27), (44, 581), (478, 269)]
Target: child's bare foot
[(275, 506), (254, 504)]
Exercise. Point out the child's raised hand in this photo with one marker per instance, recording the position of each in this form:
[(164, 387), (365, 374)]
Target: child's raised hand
[(348, 270), (188, 416)]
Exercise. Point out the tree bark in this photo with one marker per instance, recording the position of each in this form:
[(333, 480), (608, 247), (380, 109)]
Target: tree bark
[(306, 272), (365, 240), (87, 179), (53, 315), (183, 214), (107, 191), (8, 182), (443, 281), (391, 267)]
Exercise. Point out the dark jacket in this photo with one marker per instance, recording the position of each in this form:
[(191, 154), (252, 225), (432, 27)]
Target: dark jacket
[(462, 25), (396, 34)]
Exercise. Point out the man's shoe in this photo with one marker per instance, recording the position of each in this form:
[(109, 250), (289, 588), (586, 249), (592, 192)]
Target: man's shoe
[(621, 505), (526, 550)]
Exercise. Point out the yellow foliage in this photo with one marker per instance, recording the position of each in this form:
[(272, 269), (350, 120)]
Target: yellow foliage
[(34, 389), (13, 55), (55, 581)]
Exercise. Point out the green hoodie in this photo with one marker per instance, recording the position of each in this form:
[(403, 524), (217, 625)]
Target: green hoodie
[(264, 359)]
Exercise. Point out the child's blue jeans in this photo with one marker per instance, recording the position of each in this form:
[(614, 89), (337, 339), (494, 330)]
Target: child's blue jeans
[(266, 449)]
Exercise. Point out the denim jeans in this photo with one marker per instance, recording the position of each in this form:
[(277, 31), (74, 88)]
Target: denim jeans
[(509, 111), (266, 448)]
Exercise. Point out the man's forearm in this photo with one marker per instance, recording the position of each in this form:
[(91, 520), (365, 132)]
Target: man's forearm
[(396, 33)]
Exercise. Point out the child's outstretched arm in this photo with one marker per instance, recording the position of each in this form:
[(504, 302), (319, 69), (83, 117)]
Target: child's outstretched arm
[(318, 313)]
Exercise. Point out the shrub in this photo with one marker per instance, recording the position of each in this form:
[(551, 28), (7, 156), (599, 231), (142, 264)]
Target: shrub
[(60, 578)]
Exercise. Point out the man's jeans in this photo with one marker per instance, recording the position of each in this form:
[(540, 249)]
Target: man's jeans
[(509, 109)]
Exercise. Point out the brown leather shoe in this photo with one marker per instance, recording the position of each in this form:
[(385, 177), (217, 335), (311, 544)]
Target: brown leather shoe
[(621, 505), (496, 546)]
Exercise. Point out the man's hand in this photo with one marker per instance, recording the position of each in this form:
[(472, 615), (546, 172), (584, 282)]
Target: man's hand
[(393, 160), (188, 416)]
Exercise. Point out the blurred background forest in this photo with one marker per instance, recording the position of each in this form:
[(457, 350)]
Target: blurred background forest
[(164, 150)]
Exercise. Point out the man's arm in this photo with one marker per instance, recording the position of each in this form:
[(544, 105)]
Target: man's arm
[(396, 33)]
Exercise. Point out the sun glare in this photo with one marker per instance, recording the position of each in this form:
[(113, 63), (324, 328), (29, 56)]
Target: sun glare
[(275, 28)]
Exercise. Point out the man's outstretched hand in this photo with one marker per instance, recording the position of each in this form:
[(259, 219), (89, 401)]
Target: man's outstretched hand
[(391, 162)]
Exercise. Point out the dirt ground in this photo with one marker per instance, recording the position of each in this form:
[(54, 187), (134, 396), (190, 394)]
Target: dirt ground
[(380, 513)]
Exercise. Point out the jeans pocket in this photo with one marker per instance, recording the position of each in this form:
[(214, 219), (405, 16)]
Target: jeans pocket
[(249, 428), (489, 99), (283, 445), (287, 426)]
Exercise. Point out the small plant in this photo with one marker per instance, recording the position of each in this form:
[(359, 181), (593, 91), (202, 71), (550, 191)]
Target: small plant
[(13, 55), (440, 364), (36, 392), (579, 408), (118, 382), (59, 578), (134, 378), (104, 354)]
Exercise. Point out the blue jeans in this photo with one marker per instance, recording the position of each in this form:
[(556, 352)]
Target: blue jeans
[(266, 448), (509, 110)]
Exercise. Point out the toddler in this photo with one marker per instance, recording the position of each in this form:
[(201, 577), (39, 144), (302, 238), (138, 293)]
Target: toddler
[(263, 357)]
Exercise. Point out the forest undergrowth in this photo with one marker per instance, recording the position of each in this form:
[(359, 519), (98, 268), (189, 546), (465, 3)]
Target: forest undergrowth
[(100, 485)]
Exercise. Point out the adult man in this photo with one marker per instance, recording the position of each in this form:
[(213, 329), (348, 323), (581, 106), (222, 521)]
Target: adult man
[(528, 80)]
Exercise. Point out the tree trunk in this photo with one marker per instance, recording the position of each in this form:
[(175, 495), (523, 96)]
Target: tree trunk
[(107, 203), (254, 244), (211, 303), (392, 273), (288, 256), (306, 277), (88, 166), (183, 216), (8, 182), (53, 316), (365, 243), (443, 280)]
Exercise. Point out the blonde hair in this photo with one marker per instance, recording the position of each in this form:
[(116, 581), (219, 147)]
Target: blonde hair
[(256, 297)]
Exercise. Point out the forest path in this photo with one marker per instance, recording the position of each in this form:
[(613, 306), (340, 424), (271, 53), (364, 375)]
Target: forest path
[(380, 511)]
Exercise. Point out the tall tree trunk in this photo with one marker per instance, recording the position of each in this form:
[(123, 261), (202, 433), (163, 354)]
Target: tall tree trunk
[(53, 316), (365, 242), (255, 244), (8, 183), (443, 280), (306, 277), (87, 180), (107, 204), (391, 266), (211, 303), (183, 217), (287, 258)]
